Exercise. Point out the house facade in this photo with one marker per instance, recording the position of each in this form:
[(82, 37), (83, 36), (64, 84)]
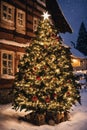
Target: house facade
[(18, 21)]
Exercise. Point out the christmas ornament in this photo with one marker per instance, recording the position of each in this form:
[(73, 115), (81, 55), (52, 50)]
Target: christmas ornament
[(34, 98), (47, 99), (38, 78)]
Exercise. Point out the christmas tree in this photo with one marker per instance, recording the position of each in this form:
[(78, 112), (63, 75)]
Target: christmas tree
[(45, 81)]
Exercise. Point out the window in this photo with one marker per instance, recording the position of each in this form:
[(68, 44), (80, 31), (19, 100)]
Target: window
[(7, 12), (75, 62), (7, 15), (7, 63), (35, 24), (20, 21)]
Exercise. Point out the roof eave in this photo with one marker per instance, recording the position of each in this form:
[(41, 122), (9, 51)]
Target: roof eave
[(58, 17)]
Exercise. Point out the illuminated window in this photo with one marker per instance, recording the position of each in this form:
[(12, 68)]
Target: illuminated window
[(75, 62)]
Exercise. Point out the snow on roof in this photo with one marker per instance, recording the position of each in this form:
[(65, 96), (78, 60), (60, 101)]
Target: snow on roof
[(74, 51), (58, 16), (77, 53), (13, 43)]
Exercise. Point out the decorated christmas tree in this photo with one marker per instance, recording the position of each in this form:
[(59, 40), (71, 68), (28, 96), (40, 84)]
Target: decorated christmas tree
[(45, 83)]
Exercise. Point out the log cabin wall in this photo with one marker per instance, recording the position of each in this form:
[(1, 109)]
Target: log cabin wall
[(18, 21)]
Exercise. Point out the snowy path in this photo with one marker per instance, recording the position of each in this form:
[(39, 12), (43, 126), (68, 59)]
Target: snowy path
[(9, 119)]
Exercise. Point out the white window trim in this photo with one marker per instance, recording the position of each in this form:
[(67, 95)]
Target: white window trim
[(20, 28), (10, 6), (7, 76), (21, 12)]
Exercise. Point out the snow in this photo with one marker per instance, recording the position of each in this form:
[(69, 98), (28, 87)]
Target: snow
[(77, 53), (13, 43), (9, 118), (74, 51)]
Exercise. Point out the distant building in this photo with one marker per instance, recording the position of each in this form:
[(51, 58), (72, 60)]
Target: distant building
[(79, 60)]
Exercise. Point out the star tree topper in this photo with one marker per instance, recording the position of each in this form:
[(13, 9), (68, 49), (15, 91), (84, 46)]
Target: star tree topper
[(45, 15)]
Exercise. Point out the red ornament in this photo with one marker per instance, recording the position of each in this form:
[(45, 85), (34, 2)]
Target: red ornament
[(34, 98), (35, 68), (47, 99), (53, 35), (57, 38), (38, 78), (45, 67), (54, 95), (68, 94), (45, 46), (68, 81), (54, 79)]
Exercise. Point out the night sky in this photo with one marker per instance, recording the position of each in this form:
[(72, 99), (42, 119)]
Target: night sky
[(75, 11)]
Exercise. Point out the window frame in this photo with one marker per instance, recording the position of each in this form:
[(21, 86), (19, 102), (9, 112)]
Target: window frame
[(7, 75), (7, 12), (5, 23), (20, 28)]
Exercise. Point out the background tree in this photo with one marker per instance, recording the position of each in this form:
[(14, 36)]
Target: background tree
[(45, 81), (82, 39)]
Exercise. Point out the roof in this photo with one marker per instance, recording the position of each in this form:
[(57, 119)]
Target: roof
[(76, 53), (57, 16)]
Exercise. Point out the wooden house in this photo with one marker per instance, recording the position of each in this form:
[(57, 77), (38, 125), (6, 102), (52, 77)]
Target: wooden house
[(78, 59), (18, 21)]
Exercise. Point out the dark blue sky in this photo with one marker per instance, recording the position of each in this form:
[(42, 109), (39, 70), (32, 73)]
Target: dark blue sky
[(75, 11)]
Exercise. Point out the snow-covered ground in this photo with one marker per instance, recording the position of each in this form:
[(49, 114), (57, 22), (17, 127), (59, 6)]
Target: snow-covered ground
[(9, 118)]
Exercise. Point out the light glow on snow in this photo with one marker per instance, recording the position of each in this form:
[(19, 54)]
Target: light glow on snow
[(9, 118)]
